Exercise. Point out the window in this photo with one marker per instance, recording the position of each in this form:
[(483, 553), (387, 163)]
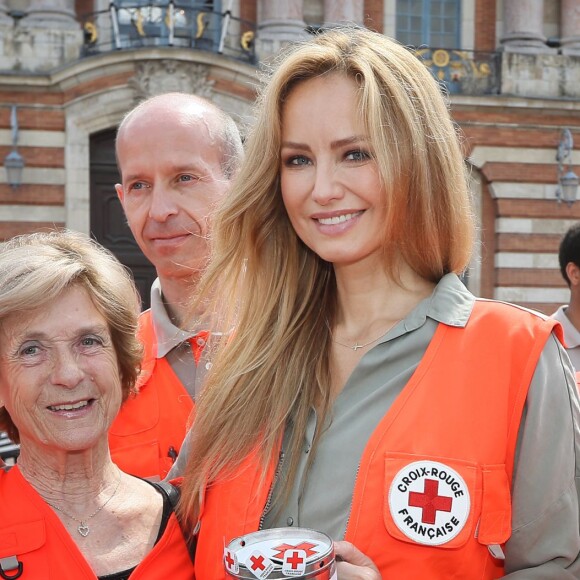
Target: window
[(433, 23)]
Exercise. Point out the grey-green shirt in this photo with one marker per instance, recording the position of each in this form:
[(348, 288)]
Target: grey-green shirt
[(545, 538)]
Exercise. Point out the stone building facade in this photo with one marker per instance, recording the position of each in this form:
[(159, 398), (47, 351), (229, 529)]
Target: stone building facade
[(70, 70)]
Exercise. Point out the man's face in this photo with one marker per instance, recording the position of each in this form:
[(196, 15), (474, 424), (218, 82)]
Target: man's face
[(171, 182)]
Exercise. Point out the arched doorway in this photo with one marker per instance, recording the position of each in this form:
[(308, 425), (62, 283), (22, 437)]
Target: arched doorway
[(107, 220)]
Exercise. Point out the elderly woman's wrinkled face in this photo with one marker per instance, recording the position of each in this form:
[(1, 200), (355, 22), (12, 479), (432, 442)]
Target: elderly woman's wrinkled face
[(59, 376)]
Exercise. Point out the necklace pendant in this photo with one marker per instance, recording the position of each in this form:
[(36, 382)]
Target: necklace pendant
[(356, 346), (83, 529)]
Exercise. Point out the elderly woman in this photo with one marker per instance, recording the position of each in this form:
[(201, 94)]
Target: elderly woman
[(68, 359)]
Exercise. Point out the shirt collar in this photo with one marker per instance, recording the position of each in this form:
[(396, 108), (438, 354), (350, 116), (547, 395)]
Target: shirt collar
[(450, 303), (168, 335)]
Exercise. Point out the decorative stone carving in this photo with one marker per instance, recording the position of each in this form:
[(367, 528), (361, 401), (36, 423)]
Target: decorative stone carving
[(155, 77)]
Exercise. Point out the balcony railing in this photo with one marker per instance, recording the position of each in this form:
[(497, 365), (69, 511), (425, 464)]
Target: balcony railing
[(464, 72), (168, 23)]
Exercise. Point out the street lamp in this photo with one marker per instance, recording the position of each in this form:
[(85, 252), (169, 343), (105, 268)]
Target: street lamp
[(14, 162), (567, 180)]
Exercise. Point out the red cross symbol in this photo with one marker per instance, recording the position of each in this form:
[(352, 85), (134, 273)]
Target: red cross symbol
[(430, 501), (257, 563), (229, 560), (306, 546), (295, 560)]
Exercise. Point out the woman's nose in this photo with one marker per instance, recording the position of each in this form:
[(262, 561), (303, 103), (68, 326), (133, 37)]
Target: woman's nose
[(327, 186), (66, 369)]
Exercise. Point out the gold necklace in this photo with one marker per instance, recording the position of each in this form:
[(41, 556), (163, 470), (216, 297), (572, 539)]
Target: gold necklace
[(83, 528), (356, 346)]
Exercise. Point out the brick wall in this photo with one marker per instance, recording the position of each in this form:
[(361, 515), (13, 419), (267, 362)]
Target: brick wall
[(485, 22), (512, 143)]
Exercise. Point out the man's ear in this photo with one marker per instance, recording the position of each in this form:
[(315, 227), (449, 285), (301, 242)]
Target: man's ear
[(573, 273), (120, 192)]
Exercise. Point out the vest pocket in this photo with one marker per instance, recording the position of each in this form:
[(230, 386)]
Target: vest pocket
[(430, 500), (495, 524), (19, 549)]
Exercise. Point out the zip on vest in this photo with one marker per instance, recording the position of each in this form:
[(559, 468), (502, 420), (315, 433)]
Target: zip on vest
[(351, 502), (271, 491)]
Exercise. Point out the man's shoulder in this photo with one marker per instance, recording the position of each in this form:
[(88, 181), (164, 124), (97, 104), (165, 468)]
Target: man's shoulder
[(560, 314)]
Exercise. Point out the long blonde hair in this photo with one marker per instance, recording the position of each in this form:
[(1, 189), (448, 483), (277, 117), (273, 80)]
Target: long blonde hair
[(281, 295)]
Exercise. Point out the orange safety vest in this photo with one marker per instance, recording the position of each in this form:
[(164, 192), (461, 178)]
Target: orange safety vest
[(432, 494), (147, 434), (33, 537)]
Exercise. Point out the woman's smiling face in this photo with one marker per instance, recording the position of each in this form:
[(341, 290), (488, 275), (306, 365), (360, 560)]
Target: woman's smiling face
[(330, 181), (59, 375)]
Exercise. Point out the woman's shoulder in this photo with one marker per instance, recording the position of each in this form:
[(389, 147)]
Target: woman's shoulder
[(509, 314)]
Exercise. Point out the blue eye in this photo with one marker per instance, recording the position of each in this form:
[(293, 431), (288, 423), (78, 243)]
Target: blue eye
[(298, 160), (357, 155), (30, 350), (137, 186), (91, 341)]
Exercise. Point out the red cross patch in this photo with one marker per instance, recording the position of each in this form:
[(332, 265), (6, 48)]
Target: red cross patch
[(429, 502)]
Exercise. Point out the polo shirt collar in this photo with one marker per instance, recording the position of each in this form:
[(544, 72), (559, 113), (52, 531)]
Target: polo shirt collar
[(571, 334), (167, 334)]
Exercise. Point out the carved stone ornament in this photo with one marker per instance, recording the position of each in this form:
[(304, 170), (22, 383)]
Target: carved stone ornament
[(164, 76)]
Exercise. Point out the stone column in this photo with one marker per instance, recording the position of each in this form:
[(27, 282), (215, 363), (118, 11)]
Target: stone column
[(570, 27), (523, 26), (51, 14), (279, 22), (53, 35), (5, 20), (340, 11)]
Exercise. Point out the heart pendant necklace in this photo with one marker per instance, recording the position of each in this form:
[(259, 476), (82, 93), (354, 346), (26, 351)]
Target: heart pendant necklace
[(83, 528)]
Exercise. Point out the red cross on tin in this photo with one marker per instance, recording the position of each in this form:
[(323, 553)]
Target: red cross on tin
[(257, 563), (295, 560), (229, 560), (308, 547)]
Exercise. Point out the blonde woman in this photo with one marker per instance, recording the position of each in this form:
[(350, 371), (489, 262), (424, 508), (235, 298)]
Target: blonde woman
[(366, 392)]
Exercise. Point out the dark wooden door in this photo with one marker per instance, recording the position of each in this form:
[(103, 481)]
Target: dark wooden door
[(108, 224)]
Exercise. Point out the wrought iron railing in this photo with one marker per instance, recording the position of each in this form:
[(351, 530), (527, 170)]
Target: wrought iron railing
[(168, 23), (464, 72)]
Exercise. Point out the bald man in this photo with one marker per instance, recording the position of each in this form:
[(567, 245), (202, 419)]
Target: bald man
[(176, 154)]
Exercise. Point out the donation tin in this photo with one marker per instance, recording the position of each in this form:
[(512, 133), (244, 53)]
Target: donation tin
[(281, 553)]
